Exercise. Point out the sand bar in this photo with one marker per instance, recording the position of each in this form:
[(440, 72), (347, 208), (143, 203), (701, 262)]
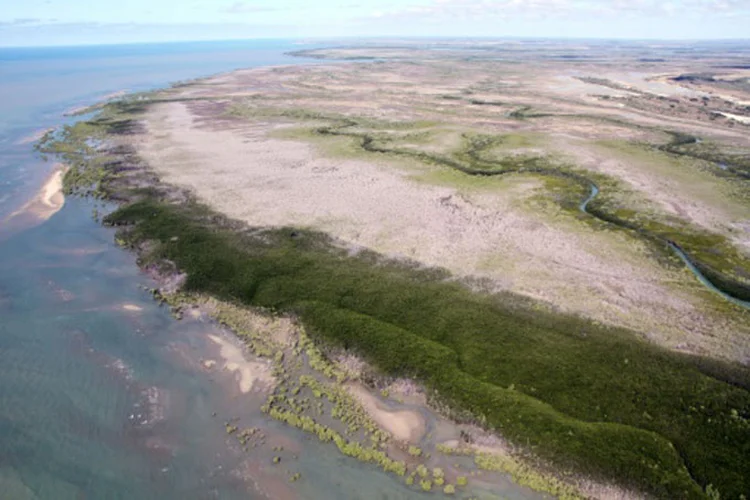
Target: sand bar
[(48, 200), (251, 375), (404, 425)]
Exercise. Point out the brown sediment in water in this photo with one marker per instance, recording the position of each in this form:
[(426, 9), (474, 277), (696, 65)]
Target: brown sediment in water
[(267, 484), (77, 252)]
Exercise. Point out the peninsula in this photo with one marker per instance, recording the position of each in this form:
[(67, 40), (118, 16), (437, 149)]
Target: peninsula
[(549, 240)]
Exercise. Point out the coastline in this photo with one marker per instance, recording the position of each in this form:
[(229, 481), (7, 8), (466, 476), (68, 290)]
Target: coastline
[(171, 193), (399, 429), (36, 136), (403, 422), (84, 346)]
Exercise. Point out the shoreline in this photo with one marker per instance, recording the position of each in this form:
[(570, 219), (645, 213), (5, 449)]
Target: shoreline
[(34, 137), (398, 429), (161, 186), (96, 105), (489, 457), (447, 440)]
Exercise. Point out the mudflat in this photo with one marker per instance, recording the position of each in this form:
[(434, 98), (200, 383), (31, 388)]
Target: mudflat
[(246, 144)]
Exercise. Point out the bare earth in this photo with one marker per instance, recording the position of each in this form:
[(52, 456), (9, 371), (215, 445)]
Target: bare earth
[(260, 167)]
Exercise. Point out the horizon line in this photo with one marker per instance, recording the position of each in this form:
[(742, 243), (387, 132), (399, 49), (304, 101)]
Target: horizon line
[(381, 37)]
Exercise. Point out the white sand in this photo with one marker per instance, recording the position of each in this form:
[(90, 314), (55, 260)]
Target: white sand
[(48, 200)]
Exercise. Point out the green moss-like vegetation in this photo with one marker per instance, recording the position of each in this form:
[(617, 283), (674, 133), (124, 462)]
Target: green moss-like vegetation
[(525, 476), (594, 399), (713, 254), (415, 451), (73, 145)]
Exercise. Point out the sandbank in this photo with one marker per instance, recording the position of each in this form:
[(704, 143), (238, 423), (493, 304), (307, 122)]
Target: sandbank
[(48, 200), (251, 375), (404, 425)]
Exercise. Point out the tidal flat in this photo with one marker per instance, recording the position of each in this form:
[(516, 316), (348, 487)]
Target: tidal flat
[(506, 235)]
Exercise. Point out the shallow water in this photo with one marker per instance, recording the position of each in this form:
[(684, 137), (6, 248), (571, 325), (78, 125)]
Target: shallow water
[(92, 398), (102, 393)]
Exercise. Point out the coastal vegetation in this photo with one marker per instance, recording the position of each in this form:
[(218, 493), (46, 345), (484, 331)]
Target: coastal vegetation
[(591, 400), (586, 397)]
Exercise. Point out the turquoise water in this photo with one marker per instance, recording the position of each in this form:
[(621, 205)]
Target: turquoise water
[(103, 394)]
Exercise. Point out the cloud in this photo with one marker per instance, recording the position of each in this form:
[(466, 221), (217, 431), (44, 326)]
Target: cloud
[(443, 10), (481, 9), (246, 7), (26, 21), (670, 7)]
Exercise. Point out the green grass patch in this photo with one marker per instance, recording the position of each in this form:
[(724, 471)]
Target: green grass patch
[(594, 399)]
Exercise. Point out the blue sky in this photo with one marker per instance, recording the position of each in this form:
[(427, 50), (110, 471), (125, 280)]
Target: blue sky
[(66, 22)]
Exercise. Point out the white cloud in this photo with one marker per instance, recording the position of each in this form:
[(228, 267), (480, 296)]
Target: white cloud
[(536, 9), (246, 7), (26, 21)]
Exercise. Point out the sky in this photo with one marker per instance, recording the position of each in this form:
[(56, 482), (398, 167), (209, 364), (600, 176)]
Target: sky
[(74, 22)]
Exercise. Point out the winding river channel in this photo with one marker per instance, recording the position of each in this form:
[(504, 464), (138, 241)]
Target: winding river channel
[(678, 251), (486, 168)]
